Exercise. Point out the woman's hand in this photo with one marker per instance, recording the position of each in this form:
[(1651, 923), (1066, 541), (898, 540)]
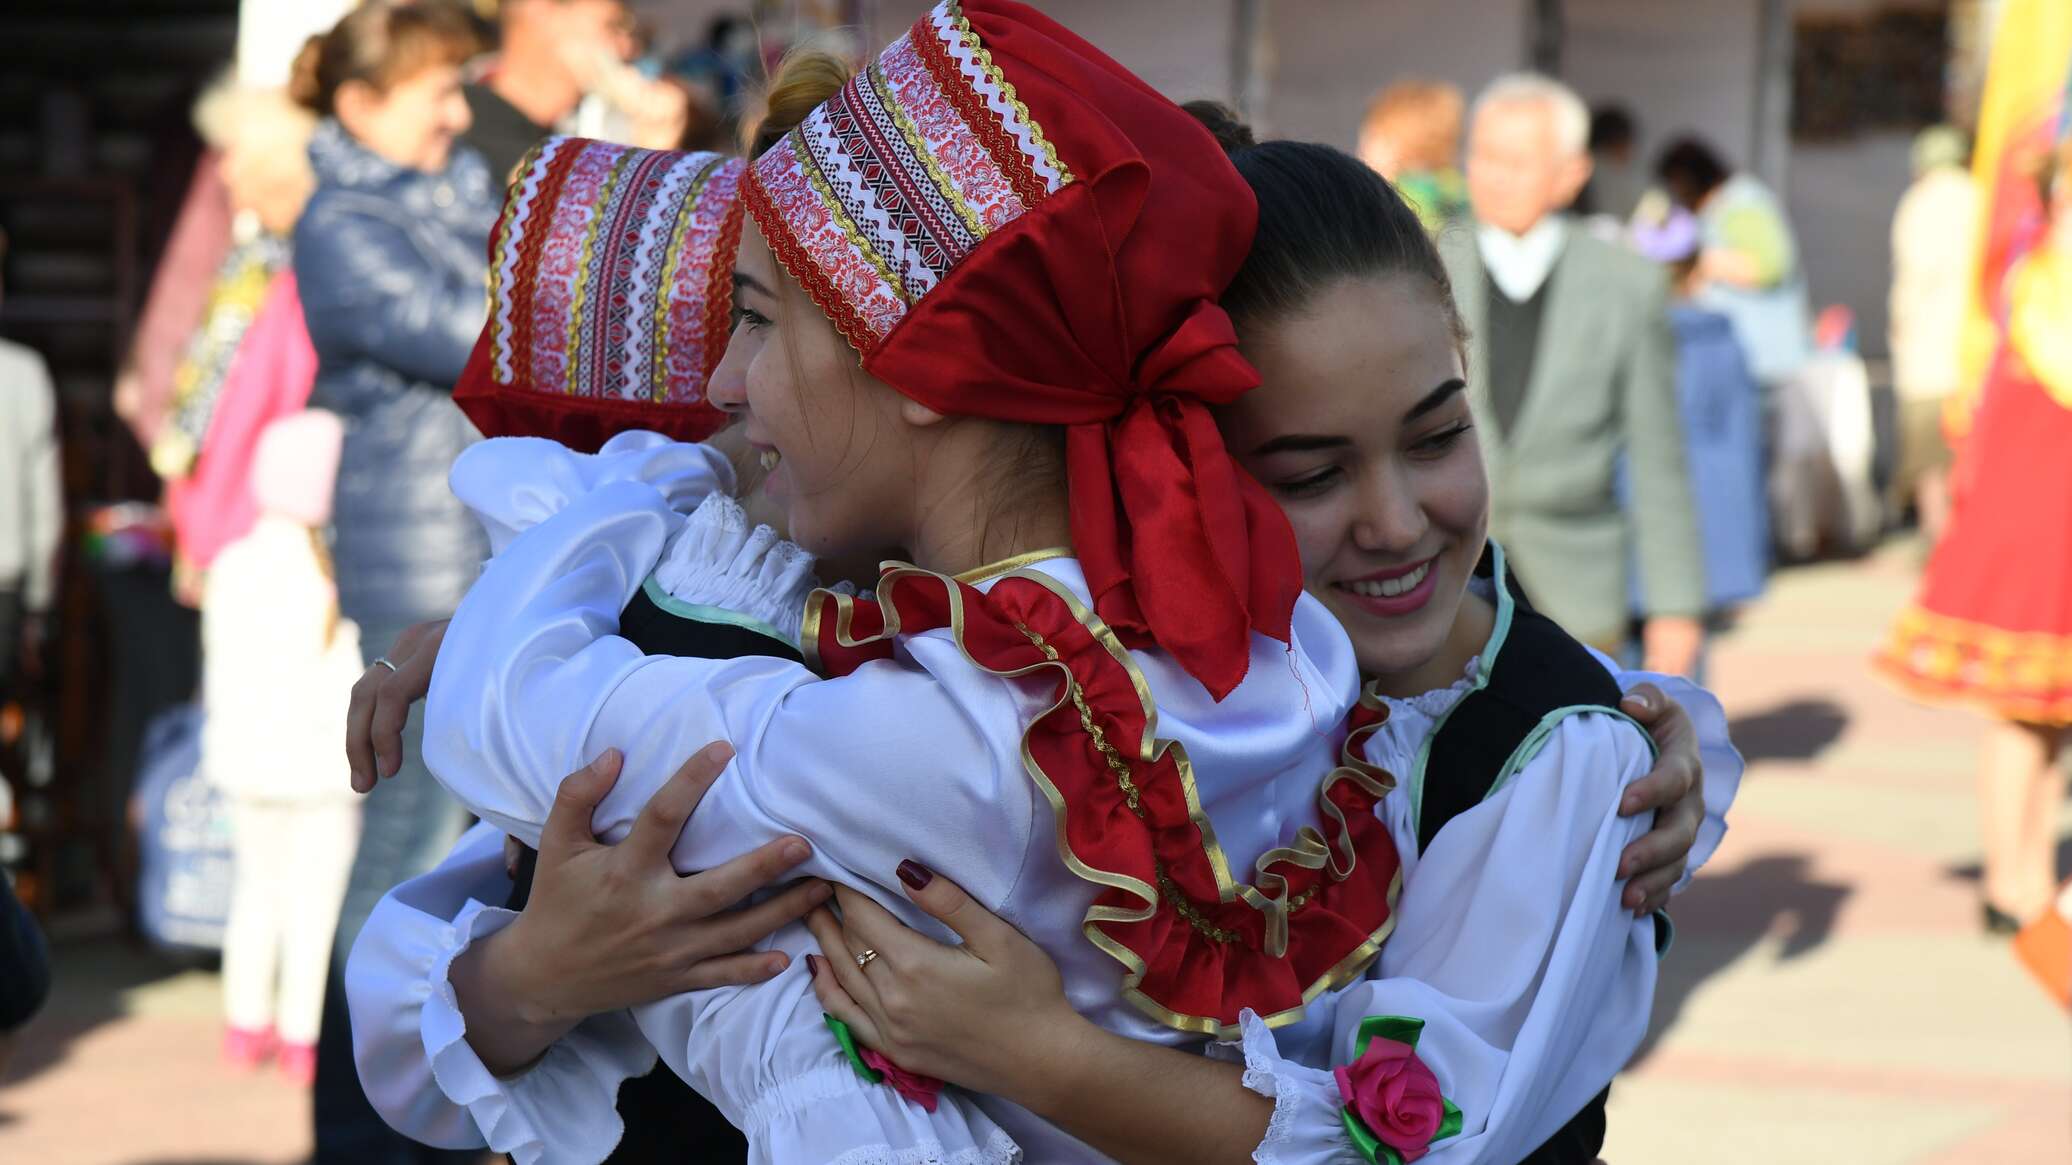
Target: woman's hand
[(381, 702), (1673, 790), (611, 926), (989, 1015)]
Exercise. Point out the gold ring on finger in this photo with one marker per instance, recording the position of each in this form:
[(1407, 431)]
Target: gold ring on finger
[(864, 960)]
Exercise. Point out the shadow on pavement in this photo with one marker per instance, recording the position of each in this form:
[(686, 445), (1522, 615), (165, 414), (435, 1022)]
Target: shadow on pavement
[(1721, 918), (1972, 871), (1798, 730), (89, 978)]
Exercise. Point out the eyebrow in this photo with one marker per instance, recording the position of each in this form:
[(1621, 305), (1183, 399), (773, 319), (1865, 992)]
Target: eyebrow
[(1435, 398), (1301, 443), (744, 280)]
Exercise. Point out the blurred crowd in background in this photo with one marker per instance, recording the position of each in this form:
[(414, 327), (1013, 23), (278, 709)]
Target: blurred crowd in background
[(186, 598)]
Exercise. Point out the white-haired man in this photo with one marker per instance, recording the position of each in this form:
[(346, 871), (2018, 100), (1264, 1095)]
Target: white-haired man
[(1573, 363)]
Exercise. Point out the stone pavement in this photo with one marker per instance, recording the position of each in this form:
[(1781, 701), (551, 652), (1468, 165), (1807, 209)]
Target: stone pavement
[(1829, 998)]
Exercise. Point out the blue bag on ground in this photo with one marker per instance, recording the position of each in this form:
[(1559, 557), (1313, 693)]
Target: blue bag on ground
[(183, 838)]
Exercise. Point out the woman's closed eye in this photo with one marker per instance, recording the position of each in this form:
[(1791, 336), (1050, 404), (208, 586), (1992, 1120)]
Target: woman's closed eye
[(755, 320), (1309, 484), (1439, 444)]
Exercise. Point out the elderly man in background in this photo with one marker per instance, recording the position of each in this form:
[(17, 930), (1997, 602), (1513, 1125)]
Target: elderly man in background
[(1573, 364)]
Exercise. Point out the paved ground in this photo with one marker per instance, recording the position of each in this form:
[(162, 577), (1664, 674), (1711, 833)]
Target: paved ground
[(1829, 999)]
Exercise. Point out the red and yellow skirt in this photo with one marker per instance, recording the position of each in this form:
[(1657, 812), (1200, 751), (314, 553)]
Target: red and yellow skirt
[(1992, 624)]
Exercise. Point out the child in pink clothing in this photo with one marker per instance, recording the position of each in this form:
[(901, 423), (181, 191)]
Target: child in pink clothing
[(278, 666)]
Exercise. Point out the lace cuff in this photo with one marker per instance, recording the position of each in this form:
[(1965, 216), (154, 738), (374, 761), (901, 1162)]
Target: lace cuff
[(563, 1108), (1306, 1128), (830, 1114), (715, 568)]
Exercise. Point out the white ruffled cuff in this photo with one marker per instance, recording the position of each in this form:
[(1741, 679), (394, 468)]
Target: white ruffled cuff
[(716, 563), (831, 1114), (563, 1108), (1307, 1128), (1721, 760)]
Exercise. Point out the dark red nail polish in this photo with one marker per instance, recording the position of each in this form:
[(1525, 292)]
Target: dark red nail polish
[(813, 965), (915, 875)]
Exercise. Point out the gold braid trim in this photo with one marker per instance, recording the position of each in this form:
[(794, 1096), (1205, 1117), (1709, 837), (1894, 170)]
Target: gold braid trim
[(1116, 765), (1311, 851), (575, 313), (1022, 116), (658, 390), (839, 212)]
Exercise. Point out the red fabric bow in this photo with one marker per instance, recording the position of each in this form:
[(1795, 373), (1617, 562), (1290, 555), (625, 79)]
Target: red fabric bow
[(1180, 546), (1091, 307)]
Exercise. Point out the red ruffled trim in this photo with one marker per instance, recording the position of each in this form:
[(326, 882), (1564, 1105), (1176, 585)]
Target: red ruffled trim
[(1197, 947)]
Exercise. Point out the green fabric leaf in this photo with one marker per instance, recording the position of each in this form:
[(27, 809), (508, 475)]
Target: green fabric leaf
[(1451, 1124), (848, 1042), (1368, 1145), (1400, 1028)]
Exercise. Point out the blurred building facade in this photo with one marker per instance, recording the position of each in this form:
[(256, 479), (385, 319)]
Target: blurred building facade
[(1721, 68)]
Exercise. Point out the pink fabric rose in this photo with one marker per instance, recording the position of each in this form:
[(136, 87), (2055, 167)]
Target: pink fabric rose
[(1395, 1096), (922, 1090)]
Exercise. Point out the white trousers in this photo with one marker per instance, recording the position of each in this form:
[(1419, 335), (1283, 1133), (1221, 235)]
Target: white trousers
[(292, 862)]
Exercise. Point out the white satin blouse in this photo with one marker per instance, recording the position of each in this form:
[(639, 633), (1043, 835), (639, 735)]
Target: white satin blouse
[(919, 757)]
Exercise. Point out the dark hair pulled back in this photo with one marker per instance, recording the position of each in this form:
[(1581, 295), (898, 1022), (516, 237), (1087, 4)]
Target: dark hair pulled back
[(1323, 216), (381, 43)]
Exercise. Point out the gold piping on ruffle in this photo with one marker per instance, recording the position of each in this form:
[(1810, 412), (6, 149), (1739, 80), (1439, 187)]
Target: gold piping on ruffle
[(1311, 850)]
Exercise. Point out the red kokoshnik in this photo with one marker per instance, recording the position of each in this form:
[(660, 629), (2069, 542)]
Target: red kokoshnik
[(1005, 223), (610, 291)]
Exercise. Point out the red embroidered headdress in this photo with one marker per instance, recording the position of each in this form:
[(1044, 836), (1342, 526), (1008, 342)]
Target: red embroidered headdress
[(610, 287), (1006, 223)]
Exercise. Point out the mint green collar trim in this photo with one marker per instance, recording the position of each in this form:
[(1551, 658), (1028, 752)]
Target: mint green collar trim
[(1485, 666), (704, 613)]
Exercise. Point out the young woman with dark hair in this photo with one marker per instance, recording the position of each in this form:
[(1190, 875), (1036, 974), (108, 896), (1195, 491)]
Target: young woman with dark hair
[(1514, 976)]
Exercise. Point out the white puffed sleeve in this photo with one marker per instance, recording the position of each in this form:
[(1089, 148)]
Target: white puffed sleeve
[(512, 483), (1722, 762), (531, 683), (1533, 982), (410, 1039)]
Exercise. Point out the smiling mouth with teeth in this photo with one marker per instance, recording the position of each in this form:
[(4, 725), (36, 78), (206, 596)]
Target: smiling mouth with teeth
[(1389, 588), (769, 459)]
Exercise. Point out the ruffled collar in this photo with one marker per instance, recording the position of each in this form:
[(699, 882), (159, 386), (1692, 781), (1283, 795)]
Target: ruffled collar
[(1196, 942), (719, 560)]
